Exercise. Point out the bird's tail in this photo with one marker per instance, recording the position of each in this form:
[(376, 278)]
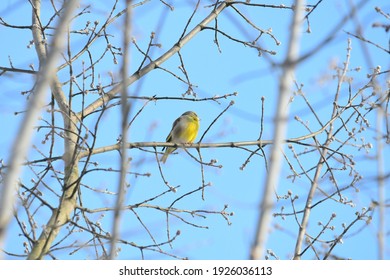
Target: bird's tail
[(166, 154), (164, 157)]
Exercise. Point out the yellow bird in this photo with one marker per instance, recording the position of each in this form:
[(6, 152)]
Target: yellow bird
[(184, 130)]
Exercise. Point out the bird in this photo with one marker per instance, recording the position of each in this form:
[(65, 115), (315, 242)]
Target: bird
[(184, 130)]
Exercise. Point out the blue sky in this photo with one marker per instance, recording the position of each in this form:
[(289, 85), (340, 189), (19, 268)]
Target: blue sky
[(236, 69)]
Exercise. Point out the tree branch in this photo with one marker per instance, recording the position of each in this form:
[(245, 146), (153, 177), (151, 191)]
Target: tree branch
[(156, 63), (280, 121)]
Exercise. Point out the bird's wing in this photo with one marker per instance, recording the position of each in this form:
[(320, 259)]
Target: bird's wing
[(169, 137), (175, 127)]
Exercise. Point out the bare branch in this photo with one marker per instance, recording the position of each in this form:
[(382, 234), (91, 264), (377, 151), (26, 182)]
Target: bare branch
[(280, 119)]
